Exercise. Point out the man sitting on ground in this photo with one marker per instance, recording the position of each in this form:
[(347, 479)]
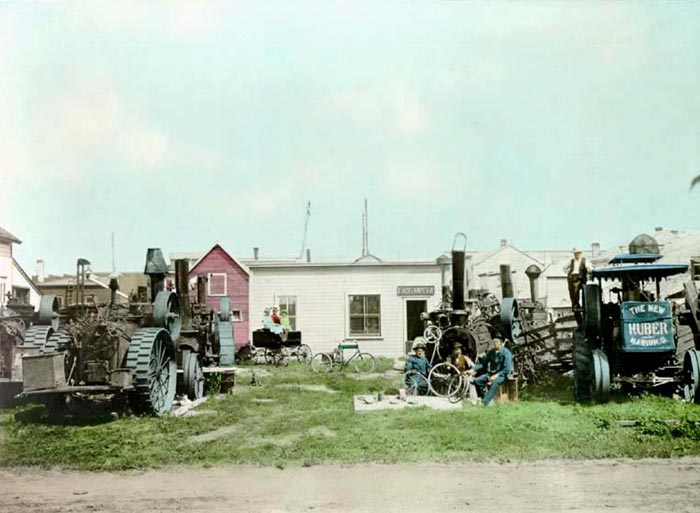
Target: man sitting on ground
[(496, 366), (416, 366)]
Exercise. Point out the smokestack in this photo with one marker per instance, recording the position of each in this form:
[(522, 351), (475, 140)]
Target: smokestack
[(595, 249), (40, 273), (506, 281), (255, 253), (457, 280), (182, 286), (308, 255), (533, 272), (659, 228), (504, 243)]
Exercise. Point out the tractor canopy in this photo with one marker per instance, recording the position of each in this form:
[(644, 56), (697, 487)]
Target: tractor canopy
[(642, 272)]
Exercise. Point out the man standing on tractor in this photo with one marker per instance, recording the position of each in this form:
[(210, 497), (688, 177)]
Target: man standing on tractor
[(495, 367), (577, 271)]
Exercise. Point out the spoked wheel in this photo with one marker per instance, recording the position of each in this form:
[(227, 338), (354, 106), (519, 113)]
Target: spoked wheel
[(193, 376), (432, 334), (364, 363), (511, 323), (601, 373), (691, 376), (322, 362), (277, 356), (38, 335), (304, 354), (443, 379), (166, 313), (457, 387), (416, 384), (151, 357)]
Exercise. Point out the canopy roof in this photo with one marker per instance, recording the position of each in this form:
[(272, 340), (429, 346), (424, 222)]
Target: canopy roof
[(638, 258), (639, 272)]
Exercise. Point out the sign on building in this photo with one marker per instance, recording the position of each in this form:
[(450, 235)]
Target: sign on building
[(426, 290)]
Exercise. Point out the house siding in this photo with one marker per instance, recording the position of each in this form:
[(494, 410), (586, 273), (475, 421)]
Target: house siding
[(322, 303), (237, 288)]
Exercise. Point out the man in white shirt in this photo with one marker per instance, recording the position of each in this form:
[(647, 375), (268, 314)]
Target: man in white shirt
[(577, 271)]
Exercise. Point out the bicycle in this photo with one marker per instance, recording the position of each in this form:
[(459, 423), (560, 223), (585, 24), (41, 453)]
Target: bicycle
[(362, 362)]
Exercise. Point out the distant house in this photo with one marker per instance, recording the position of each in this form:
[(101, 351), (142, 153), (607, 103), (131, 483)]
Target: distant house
[(96, 289), (226, 277), (14, 282)]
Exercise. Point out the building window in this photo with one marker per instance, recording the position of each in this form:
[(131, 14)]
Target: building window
[(365, 316), (236, 315), (289, 304), (21, 295), (216, 284)]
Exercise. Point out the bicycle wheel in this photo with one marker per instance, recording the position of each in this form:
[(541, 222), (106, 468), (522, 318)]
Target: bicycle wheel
[(304, 354), (364, 363), (443, 379), (416, 384), (322, 362), (457, 388)]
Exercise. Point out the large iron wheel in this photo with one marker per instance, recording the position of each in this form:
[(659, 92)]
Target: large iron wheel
[(511, 323), (584, 383), (691, 376), (322, 362), (364, 363), (151, 357), (193, 375), (57, 342), (225, 308), (227, 343), (48, 311), (38, 336), (601, 373), (304, 354), (443, 379), (592, 300), (166, 313)]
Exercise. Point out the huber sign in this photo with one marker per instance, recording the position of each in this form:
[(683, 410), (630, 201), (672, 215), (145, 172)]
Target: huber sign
[(647, 327), (427, 290)]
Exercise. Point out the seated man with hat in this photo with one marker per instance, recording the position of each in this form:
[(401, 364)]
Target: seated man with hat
[(416, 366), (494, 369)]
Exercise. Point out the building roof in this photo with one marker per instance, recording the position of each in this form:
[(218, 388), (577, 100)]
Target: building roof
[(4, 234), (25, 275), (217, 245)]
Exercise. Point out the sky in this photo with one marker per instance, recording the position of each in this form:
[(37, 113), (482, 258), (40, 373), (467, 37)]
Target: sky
[(181, 124)]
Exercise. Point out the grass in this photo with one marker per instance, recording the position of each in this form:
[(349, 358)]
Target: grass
[(311, 427)]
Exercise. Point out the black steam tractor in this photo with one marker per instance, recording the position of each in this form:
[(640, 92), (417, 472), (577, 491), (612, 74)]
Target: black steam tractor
[(125, 353), (631, 341)]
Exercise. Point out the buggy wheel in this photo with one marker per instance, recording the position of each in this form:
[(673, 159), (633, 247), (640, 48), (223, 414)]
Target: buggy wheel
[(416, 384), (591, 310), (151, 358), (442, 379), (583, 368), (322, 362), (691, 376), (193, 375), (304, 354), (601, 372), (364, 363)]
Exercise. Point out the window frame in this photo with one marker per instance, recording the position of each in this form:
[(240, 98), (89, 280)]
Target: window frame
[(292, 318), (365, 315), (236, 315), (225, 293)]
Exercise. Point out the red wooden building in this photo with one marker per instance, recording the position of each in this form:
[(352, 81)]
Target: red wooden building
[(226, 277)]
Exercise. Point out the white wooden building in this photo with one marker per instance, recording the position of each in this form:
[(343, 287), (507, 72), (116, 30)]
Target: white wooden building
[(13, 280), (377, 303)]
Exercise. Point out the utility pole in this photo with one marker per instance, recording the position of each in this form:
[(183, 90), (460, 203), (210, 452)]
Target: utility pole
[(306, 228), (114, 262)]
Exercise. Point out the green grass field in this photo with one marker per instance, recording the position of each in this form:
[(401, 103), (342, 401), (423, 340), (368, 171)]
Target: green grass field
[(292, 427)]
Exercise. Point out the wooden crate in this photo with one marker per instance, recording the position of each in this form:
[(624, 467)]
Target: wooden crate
[(508, 391)]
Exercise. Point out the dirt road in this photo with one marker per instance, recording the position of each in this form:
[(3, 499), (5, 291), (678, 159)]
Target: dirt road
[(622, 486)]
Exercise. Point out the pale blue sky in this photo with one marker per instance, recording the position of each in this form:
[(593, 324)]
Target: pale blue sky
[(551, 124)]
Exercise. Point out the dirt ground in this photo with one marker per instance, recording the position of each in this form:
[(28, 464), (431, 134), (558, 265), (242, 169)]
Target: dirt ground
[(621, 486)]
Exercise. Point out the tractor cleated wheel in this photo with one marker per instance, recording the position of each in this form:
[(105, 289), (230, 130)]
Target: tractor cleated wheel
[(691, 376), (227, 343), (57, 342), (38, 335), (584, 383), (193, 376), (601, 375), (225, 309), (591, 310), (151, 358)]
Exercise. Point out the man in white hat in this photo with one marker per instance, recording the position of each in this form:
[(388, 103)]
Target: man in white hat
[(577, 271)]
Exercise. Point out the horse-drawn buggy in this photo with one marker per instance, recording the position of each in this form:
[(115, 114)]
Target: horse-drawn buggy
[(280, 347)]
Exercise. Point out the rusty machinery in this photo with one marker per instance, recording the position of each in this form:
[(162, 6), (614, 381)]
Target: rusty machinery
[(124, 352)]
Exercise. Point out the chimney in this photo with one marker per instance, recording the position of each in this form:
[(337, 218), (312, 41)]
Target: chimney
[(255, 253), (504, 243), (308, 255), (40, 274), (595, 249), (659, 228)]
